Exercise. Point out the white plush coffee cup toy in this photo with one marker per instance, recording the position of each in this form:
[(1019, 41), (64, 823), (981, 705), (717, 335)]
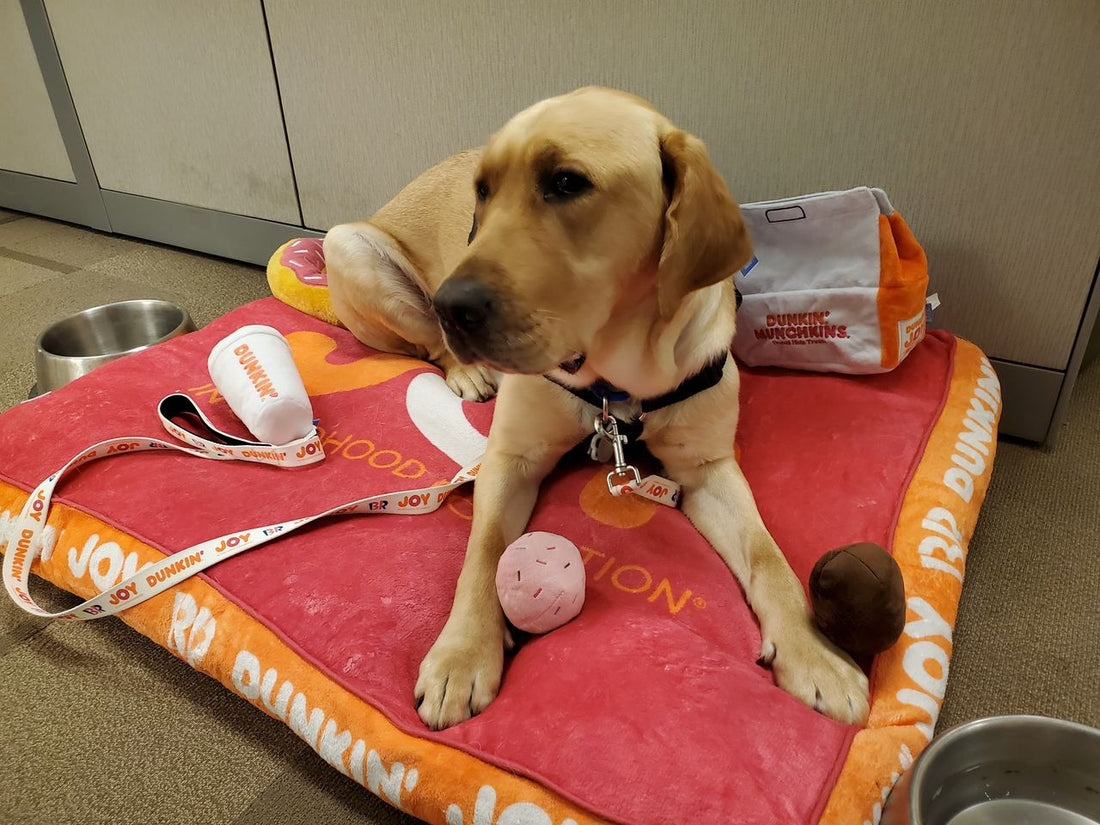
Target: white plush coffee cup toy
[(254, 370)]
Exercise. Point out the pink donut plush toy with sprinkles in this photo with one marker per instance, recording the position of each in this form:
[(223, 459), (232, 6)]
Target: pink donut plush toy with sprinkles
[(540, 581)]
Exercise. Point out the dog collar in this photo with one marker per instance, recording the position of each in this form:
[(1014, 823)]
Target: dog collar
[(600, 391)]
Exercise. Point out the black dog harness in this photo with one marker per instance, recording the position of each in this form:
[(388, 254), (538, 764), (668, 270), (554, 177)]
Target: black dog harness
[(601, 391)]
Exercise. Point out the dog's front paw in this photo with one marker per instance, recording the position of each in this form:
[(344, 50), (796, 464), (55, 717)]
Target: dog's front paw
[(459, 677), (471, 382), (816, 672)]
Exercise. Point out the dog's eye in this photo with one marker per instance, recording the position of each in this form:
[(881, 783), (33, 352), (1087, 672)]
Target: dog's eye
[(565, 185), (482, 191)]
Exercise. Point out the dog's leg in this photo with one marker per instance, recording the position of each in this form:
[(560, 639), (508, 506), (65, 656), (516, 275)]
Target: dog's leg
[(717, 499), (531, 430), (384, 307)]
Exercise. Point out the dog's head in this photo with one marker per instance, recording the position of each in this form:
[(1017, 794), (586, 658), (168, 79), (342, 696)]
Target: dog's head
[(587, 204)]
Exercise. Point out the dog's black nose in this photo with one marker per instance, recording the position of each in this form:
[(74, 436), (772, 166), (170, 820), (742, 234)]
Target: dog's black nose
[(463, 303)]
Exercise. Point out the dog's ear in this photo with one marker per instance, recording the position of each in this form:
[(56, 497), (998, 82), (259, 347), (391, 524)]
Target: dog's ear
[(705, 240)]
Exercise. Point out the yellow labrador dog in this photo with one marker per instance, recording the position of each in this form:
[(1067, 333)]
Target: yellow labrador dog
[(592, 241)]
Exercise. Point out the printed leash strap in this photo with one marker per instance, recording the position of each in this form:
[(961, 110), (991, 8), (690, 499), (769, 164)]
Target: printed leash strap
[(24, 541), (654, 487)]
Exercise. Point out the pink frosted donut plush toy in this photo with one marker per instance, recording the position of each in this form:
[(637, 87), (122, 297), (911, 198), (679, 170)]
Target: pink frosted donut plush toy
[(540, 581)]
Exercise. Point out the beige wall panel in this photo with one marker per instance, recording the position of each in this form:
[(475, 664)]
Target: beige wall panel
[(30, 141), (178, 101), (981, 120)]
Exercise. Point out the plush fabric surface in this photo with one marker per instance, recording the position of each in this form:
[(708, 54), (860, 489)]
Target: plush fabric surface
[(296, 276), (648, 707)]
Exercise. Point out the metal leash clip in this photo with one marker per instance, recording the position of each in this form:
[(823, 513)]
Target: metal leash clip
[(608, 443), (625, 478)]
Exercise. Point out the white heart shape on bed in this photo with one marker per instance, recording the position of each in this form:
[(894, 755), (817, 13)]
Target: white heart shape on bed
[(437, 413)]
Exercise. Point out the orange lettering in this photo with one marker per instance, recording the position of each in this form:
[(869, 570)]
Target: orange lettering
[(647, 580), (589, 552), (410, 469), (665, 587), (604, 569), (208, 390), (462, 506), (361, 455), (329, 439), (375, 460)]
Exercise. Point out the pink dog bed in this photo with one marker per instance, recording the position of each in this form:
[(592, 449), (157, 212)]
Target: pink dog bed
[(647, 708)]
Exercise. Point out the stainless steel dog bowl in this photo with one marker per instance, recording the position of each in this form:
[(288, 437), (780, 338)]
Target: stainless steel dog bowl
[(1003, 770), (76, 345)]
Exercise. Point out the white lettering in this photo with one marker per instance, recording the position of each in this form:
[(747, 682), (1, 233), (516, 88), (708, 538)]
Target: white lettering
[(982, 413), (49, 541), (929, 625), (324, 736), (246, 675), (78, 563), (976, 435), (524, 813), (975, 465), (985, 396), (941, 520), (282, 700), (961, 482), (110, 553), (905, 757), (92, 557), (915, 662), (382, 782), (922, 701), (332, 746), (930, 544), (932, 563), (201, 636), (46, 542), (990, 384), (518, 813), (183, 615), (307, 727), (355, 761)]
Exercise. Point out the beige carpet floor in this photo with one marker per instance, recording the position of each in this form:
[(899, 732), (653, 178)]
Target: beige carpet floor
[(94, 714)]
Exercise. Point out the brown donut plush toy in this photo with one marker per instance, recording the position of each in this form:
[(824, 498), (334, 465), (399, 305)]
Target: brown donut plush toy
[(858, 597)]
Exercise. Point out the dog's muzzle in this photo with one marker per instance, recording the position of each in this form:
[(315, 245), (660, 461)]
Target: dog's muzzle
[(464, 307)]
